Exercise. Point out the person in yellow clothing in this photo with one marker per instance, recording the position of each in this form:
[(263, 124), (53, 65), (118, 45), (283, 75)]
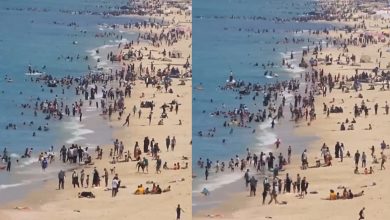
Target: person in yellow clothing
[(333, 195), (140, 190)]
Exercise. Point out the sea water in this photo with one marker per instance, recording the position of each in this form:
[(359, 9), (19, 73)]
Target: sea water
[(38, 33), (225, 40)]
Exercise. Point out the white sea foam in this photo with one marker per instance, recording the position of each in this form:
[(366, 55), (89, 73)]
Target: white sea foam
[(77, 131), (218, 182), (27, 161), (13, 155), (266, 138), (6, 186), (107, 46), (123, 40)]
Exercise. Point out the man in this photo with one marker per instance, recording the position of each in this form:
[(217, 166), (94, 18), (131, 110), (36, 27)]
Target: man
[(246, 177), (158, 165), (383, 157), (105, 177), (357, 158), (9, 165), (61, 179), (253, 184), (178, 212), (361, 214), (146, 164), (115, 185), (173, 143), (127, 122), (75, 179), (167, 142)]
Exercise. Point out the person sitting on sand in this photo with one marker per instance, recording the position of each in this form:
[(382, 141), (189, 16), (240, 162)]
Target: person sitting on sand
[(167, 189), (342, 127), (351, 195), (356, 171), (140, 190), (332, 195), (157, 190), (165, 166), (371, 170), (345, 193), (185, 167)]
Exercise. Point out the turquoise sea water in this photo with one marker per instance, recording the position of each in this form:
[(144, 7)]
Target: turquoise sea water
[(230, 36), (37, 33)]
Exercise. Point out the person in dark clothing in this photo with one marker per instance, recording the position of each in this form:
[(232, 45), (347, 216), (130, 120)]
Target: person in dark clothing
[(61, 179), (361, 214), (253, 185), (9, 165), (127, 122), (75, 180), (167, 142), (178, 212)]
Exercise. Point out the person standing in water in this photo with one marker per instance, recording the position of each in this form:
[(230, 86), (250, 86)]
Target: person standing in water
[(9, 165)]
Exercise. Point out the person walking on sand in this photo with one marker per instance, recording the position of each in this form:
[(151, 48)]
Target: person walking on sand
[(361, 213), (178, 212), (383, 160), (357, 158), (158, 165), (115, 186), (105, 177), (75, 179), (127, 122), (253, 185), (82, 177), (274, 196), (266, 187), (150, 118), (173, 143), (167, 142), (206, 173), (61, 179)]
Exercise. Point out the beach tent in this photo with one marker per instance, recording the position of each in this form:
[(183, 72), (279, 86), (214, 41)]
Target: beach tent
[(365, 59)]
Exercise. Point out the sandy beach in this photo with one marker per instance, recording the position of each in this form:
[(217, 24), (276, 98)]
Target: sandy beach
[(335, 174), (65, 204)]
